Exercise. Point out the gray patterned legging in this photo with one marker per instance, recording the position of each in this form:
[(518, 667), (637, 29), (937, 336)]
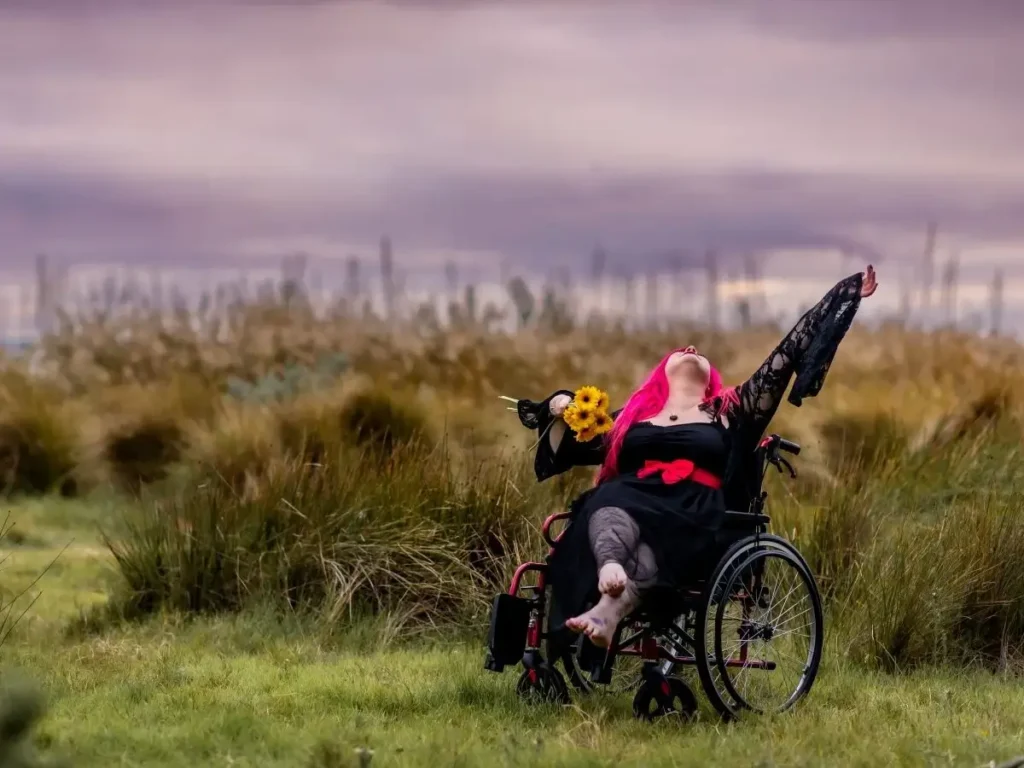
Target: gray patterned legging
[(615, 538)]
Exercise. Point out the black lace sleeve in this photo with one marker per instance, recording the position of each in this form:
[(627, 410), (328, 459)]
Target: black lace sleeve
[(549, 462), (807, 351)]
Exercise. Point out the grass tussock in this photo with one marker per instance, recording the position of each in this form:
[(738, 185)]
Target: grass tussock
[(375, 420), (7, 618), (930, 593), (142, 452), (916, 559), (40, 446), (239, 449), (246, 442), (143, 430), (383, 421), (418, 535), (431, 533)]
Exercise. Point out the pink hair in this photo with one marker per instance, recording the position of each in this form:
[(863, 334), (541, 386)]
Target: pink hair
[(648, 401)]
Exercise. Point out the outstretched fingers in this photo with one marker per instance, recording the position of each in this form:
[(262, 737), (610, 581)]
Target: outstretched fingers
[(870, 283)]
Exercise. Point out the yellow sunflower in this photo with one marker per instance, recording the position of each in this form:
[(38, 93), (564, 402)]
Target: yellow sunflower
[(571, 416), (587, 397), (603, 402), (586, 435), (602, 423), (585, 417)]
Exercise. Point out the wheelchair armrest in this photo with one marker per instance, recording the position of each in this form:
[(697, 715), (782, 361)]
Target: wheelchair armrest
[(551, 520)]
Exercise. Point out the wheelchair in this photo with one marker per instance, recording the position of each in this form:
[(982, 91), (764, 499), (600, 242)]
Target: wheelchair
[(753, 627)]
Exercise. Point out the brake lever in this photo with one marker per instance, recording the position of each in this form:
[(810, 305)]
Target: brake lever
[(788, 466)]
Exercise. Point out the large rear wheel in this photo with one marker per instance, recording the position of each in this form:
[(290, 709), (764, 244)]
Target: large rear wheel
[(759, 628), (768, 638)]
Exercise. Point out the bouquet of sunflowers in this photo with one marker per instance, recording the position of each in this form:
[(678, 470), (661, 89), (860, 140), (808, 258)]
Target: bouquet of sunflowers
[(587, 415)]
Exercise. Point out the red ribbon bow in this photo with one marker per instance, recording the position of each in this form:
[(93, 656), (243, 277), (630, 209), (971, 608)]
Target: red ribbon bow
[(673, 472)]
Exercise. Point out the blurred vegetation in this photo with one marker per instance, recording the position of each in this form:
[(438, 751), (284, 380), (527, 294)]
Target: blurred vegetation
[(21, 708), (332, 462)]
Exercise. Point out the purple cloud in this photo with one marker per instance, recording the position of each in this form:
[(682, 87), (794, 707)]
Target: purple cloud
[(232, 132)]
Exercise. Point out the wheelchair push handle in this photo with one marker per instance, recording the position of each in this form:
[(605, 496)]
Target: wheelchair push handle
[(773, 445), (789, 446)]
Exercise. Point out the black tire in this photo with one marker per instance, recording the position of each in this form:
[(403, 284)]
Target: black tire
[(626, 678), (563, 647), (546, 685), (658, 697), (778, 624), (708, 668), (578, 678)]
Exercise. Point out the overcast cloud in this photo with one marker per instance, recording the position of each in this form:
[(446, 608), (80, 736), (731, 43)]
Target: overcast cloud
[(231, 133)]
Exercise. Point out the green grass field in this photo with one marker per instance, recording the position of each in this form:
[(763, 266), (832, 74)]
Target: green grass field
[(256, 690)]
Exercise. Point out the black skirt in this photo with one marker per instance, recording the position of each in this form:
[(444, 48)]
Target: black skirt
[(679, 521)]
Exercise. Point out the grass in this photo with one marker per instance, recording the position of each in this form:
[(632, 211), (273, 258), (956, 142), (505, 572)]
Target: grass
[(429, 533), (207, 693), (262, 688), (303, 571)]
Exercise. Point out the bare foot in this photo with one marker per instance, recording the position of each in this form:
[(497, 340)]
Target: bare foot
[(611, 579), (601, 621)]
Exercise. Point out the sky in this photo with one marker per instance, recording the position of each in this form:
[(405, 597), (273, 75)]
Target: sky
[(197, 134)]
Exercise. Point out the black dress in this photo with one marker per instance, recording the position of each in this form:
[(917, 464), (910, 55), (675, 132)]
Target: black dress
[(681, 521)]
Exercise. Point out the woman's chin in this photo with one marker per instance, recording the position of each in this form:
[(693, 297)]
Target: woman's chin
[(691, 369)]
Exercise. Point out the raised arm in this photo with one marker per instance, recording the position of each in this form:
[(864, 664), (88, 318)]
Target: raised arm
[(558, 450), (807, 350)]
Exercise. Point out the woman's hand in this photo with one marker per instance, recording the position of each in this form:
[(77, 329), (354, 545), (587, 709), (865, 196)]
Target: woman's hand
[(869, 284), (558, 404)]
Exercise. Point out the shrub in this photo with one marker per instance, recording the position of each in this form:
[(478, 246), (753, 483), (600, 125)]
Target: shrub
[(382, 420), (377, 421), (143, 452), (143, 431), (40, 449)]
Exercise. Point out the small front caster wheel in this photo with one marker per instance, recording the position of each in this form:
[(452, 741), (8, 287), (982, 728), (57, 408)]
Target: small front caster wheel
[(542, 685), (657, 698)]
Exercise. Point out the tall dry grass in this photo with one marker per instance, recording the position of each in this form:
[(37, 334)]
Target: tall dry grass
[(402, 485), (917, 548), (425, 534), (918, 560)]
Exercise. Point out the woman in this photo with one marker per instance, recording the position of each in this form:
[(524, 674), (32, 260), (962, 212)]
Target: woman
[(677, 457)]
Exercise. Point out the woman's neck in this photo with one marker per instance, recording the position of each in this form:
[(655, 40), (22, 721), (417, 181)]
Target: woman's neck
[(682, 396)]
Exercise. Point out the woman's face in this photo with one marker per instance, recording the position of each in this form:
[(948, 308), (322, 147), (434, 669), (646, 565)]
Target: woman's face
[(688, 362)]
